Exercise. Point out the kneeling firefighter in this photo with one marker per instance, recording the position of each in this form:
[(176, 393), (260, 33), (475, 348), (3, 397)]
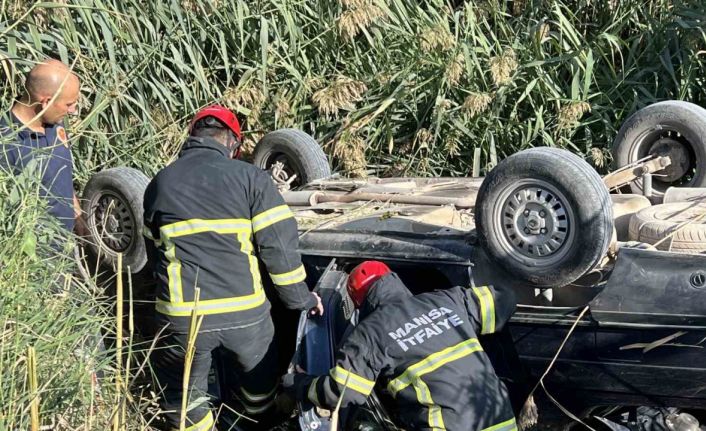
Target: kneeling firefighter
[(424, 348)]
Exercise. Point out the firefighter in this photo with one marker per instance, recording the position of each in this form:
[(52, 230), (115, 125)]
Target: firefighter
[(208, 219), (425, 351)]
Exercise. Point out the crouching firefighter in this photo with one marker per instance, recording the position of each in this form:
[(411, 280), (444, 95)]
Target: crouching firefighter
[(208, 219), (423, 349)]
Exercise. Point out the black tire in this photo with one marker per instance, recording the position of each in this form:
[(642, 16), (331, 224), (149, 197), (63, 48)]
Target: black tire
[(300, 153), (545, 216), (116, 192), (673, 127), (681, 222)]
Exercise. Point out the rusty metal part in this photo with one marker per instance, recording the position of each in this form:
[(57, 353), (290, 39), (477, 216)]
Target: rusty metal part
[(282, 180), (678, 154), (630, 173), (398, 199), (647, 185), (301, 198), (311, 198)]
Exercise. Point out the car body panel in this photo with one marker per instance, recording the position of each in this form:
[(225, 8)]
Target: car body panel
[(641, 341)]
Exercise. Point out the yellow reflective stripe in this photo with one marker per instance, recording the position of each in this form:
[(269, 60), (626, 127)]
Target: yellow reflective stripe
[(285, 279), (212, 306), (508, 425), (487, 309), (351, 380), (204, 424), (246, 247), (194, 226), (259, 409), (436, 421), (240, 227), (270, 217), (257, 398), (313, 394), (433, 362), (147, 232), (173, 272)]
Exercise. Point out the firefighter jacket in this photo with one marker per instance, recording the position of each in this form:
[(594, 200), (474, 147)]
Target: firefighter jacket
[(424, 351), (208, 219)]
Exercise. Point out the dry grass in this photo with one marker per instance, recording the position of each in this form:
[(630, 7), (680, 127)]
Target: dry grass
[(358, 16), (476, 103), (503, 66), (341, 94)]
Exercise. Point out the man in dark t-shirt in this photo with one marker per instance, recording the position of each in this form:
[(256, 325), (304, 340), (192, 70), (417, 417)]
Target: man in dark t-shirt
[(32, 135)]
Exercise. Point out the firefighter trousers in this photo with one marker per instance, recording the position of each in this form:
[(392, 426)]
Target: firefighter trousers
[(251, 354)]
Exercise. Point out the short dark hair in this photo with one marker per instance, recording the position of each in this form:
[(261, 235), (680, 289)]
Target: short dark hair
[(210, 127)]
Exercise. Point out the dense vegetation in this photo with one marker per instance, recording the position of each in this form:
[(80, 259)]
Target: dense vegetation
[(396, 86)]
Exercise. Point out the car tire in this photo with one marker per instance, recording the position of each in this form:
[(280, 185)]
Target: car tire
[(545, 216), (652, 225), (673, 128), (624, 207), (112, 204), (299, 152)]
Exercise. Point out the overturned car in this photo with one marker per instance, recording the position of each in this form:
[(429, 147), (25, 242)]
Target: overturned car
[(611, 287)]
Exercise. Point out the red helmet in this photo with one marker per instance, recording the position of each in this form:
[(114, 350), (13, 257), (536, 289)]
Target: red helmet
[(362, 278), (223, 114)]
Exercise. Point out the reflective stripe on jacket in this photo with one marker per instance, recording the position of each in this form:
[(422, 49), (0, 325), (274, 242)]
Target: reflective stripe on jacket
[(209, 220), (424, 351)]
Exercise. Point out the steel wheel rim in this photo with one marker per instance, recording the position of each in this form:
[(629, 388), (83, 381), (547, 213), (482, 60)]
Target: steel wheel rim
[(113, 222), (536, 225)]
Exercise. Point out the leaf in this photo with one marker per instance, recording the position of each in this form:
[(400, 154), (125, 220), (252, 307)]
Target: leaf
[(575, 84), (588, 74), (29, 245), (263, 52)]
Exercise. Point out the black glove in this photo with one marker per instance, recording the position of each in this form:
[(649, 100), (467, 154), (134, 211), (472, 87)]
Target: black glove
[(296, 384)]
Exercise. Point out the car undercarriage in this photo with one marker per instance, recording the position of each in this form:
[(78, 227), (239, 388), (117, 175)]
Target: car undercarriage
[(611, 287)]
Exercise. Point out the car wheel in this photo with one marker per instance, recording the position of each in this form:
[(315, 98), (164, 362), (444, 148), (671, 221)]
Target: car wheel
[(299, 153), (678, 227), (545, 216), (673, 128), (112, 203)]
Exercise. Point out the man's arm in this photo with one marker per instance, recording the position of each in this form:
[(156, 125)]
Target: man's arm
[(353, 378), (489, 307), (80, 227), (150, 230), (275, 232)]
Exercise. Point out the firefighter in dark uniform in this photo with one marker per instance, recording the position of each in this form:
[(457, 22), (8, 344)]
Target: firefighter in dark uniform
[(208, 220), (423, 349)]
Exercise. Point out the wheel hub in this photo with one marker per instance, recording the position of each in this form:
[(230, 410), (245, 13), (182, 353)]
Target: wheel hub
[(285, 171), (113, 223), (535, 222), (678, 154)]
